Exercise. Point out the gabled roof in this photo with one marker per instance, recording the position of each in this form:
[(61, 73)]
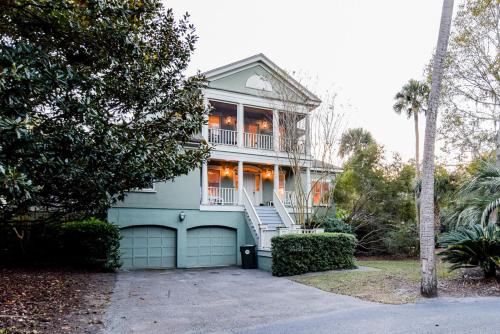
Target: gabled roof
[(262, 59)]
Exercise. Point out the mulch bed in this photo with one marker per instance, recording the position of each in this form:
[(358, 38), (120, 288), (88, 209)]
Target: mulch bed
[(470, 283), (53, 300)]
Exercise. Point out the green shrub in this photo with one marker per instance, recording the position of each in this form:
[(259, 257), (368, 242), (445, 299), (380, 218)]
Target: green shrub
[(295, 254), (404, 240), (473, 246), (90, 243), (336, 225), (332, 223)]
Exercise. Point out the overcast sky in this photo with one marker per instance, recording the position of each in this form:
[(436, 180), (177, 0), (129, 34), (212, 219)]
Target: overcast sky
[(365, 49)]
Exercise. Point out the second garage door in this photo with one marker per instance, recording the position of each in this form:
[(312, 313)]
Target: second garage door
[(211, 246)]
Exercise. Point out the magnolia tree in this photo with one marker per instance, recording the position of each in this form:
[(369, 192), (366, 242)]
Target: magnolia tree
[(93, 102)]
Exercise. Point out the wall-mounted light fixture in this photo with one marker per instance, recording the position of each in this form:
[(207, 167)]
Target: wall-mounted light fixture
[(182, 216), (264, 124), (229, 120), (268, 173), (226, 171)]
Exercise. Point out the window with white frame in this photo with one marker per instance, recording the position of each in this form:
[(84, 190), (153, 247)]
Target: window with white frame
[(321, 192)]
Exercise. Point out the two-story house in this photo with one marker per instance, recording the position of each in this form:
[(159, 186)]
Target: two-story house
[(245, 193)]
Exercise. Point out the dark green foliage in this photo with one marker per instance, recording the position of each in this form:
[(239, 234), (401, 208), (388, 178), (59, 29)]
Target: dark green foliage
[(377, 195), (403, 240), (331, 223), (472, 246), (296, 254), (93, 102), (90, 243)]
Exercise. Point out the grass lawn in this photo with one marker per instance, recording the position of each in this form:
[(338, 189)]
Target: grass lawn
[(395, 281)]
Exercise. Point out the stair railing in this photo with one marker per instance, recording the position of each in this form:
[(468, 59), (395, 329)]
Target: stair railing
[(282, 211), (252, 215)]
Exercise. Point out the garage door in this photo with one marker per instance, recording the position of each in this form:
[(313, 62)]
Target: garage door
[(148, 247), (211, 246)]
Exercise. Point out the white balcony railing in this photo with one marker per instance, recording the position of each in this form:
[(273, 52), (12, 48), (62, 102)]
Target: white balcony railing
[(289, 198), (222, 136), (260, 141), (292, 146), (222, 196), (267, 235)]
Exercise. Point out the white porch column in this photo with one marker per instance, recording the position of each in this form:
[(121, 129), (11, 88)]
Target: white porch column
[(276, 178), (204, 183), (204, 127), (276, 130), (308, 187), (308, 135), (240, 119), (240, 182)]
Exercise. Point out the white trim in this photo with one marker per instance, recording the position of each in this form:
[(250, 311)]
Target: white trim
[(254, 60), (253, 156), (231, 97), (221, 208), (144, 190)]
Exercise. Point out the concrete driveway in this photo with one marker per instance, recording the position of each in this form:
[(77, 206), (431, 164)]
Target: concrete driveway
[(233, 300)]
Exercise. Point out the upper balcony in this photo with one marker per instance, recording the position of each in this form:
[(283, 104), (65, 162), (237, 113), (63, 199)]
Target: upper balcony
[(256, 128)]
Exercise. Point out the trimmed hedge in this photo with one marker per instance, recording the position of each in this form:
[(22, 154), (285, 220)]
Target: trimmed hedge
[(90, 243), (296, 254)]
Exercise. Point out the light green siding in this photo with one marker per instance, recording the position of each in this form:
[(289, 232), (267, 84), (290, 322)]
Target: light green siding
[(265, 260), (234, 220), (184, 192), (237, 83), (211, 246)]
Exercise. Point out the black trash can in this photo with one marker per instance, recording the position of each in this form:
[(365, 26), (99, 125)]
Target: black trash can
[(248, 256)]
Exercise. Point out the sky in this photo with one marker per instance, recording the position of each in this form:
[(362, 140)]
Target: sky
[(364, 50)]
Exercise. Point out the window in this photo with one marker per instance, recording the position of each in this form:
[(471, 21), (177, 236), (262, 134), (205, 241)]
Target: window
[(213, 178), (222, 116), (257, 182), (148, 189), (321, 193), (282, 182)]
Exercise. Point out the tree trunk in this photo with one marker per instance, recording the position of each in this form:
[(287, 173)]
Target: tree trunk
[(417, 163), (427, 243), (437, 216), (417, 141), (493, 218)]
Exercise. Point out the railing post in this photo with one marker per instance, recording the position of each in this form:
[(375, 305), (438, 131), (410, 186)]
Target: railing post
[(308, 188), (240, 182), (240, 119), (276, 130), (276, 178)]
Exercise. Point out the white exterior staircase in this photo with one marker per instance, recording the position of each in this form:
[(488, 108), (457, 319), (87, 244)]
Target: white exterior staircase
[(269, 217)]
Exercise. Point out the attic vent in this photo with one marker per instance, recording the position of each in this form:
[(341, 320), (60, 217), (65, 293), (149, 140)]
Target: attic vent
[(259, 82)]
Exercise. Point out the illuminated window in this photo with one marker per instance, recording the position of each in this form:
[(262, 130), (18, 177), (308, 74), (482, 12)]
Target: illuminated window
[(213, 178), (257, 182), (321, 193), (282, 182)]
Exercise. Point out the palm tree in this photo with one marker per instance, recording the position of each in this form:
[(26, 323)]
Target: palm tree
[(410, 100), (428, 286), (354, 140), (477, 198)]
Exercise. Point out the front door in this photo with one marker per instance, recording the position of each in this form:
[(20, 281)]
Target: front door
[(251, 183)]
